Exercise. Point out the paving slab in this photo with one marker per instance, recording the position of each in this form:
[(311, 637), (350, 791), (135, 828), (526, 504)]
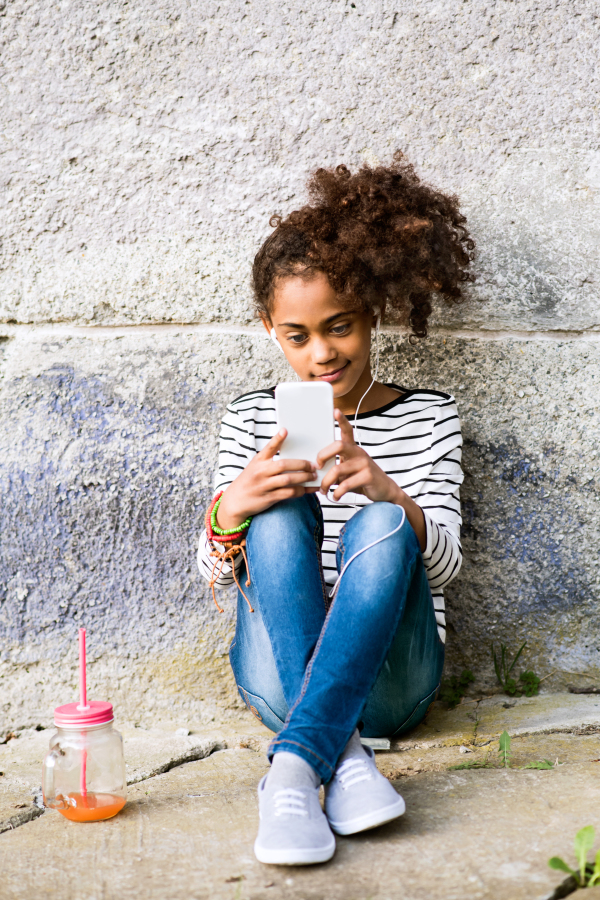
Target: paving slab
[(189, 833), (546, 713), (441, 741), (148, 752), (481, 720), (190, 821)]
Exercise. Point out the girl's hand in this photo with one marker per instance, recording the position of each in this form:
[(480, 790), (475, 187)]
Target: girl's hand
[(356, 471), (264, 482)]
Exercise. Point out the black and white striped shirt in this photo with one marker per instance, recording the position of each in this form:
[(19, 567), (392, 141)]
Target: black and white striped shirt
[(415, 439)]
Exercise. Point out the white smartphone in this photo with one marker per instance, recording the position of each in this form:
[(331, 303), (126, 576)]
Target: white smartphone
[(306, 411)]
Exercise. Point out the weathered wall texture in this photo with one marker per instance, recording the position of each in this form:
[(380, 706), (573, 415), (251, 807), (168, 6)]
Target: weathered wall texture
[(143, 147)]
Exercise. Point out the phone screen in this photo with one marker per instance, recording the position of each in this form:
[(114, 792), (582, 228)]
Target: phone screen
[(306, 411)]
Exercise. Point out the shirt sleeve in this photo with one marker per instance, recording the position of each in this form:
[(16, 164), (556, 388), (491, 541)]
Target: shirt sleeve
[(440, 500), (236, 448)]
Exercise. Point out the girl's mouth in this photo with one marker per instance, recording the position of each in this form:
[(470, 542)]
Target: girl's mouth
[(333, 376)]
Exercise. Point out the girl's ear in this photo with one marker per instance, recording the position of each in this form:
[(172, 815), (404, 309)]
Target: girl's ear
[(271, 332)]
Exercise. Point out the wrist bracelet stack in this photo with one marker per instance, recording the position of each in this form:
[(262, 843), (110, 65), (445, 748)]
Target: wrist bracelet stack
[(223, 535), (232, 541)]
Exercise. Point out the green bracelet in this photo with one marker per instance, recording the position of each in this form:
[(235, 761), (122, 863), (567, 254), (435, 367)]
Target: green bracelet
[(225, 531)]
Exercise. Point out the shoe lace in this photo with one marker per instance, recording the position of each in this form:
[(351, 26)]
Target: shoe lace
[(352, 771), (289, 802)]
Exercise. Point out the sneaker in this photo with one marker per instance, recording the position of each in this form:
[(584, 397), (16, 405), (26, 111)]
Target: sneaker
[(293, 830), (358, 797)]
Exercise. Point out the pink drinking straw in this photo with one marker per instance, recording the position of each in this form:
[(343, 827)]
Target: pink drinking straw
[(83, 704)]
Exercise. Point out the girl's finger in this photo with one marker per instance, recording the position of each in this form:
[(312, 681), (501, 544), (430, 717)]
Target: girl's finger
[(339, 472), (345, 427), (287, 494), (353, 485), (274, 445), (279, 466), (335, 449), (288, 479)]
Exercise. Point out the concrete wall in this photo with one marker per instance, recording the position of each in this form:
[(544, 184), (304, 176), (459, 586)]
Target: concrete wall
[(143, 147)]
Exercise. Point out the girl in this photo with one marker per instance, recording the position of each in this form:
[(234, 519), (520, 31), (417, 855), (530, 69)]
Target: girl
[(320, 666)]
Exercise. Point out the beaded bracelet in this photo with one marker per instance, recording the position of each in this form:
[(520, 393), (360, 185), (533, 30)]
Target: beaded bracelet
[(225, 531), (229, 535), (232, 541)]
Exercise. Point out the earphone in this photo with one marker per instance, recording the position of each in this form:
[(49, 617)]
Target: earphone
[(275, 339)]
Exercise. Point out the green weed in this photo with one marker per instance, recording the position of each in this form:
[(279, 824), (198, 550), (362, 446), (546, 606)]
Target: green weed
[(504, 749), (474, 764), (453, 689), (504, 757), (588, 875), (529, 681)]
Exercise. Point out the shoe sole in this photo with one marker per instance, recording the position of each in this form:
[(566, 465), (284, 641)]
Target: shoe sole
[(297, 856), (370, 820)]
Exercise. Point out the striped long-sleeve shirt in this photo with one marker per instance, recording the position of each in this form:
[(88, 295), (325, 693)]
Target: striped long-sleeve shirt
[(415, 439)]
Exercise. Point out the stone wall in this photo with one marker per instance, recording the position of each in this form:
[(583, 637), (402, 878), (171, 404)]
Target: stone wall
[(143, 148)]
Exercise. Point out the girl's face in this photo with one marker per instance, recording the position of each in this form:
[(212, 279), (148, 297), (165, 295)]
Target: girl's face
[(322, 341)]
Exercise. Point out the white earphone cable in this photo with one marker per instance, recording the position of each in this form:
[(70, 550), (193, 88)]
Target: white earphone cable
[(334, 590), (355, 426), (358, 552)]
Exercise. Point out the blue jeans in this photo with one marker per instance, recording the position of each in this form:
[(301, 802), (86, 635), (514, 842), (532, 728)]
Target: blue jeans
[(312, 671)]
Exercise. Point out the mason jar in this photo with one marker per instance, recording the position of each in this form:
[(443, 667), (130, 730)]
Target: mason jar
[(84, 772)]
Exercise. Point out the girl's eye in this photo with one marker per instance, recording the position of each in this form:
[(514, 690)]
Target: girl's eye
[(340, 329), (296, 338)]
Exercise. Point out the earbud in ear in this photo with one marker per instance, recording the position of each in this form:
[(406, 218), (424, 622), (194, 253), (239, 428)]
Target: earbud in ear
[(377, 312), (275, 339)]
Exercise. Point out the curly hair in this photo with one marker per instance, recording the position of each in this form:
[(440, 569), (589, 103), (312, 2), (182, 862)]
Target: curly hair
[(379, 235)]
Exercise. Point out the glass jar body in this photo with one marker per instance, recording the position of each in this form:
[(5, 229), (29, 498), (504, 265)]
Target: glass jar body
[(84, 772)]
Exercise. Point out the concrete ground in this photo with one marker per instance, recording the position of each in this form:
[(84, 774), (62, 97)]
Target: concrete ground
[(190, 821)]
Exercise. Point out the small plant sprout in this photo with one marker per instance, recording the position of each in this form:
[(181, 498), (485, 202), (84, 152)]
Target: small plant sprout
[(540, 764), (453, 689), (588, 875), (529, 681), (504, 749), (504, 757), (474, 764), (503, 669)]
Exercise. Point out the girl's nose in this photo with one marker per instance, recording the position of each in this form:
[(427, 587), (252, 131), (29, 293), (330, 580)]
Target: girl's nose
[(322, 351)]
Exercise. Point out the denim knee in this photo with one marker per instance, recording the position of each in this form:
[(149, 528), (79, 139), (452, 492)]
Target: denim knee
[(372, 522), (286, 514)]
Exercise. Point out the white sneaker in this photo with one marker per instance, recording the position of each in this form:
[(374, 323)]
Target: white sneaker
[(293, 830), (358, 797)]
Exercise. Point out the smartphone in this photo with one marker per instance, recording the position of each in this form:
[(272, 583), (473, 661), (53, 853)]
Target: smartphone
[(306, 411)]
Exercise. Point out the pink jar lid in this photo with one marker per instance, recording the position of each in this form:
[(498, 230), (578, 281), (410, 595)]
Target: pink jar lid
[(72, 714)]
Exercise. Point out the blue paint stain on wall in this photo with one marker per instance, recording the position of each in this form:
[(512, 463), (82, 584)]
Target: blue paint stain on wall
[(523, 568), (102, 509)]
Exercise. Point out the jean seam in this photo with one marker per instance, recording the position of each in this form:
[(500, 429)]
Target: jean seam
[(408, 718), (318, 535), (248, 694)]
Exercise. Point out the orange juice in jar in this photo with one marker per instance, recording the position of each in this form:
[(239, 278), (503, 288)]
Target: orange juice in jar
[(84, 772)]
